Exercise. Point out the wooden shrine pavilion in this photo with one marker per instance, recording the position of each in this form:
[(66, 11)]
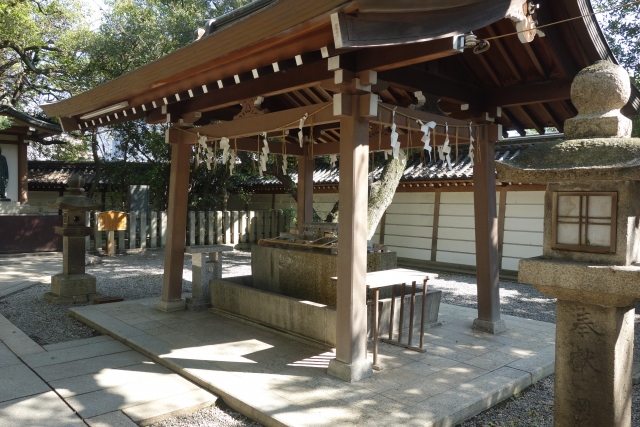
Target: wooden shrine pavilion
[(25, 128), (347, 77)]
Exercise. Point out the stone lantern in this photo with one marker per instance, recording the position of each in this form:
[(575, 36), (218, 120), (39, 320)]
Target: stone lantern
[(591, 248), (73, 284)]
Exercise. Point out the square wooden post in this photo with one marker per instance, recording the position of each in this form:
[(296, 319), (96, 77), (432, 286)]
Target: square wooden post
[(23, 196), (177, 223), (305, 190), (351, 363), (486, 223)]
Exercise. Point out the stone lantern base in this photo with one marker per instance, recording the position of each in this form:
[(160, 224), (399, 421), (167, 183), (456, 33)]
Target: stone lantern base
[(594, 338), (68, 289)]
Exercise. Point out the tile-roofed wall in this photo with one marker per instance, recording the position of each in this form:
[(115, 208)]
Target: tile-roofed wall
[(417, 169)]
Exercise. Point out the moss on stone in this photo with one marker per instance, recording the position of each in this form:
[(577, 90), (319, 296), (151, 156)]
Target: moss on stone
[(601, 153)]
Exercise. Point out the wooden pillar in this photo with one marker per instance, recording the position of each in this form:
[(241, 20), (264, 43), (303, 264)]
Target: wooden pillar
[(177, 223), (305, 190), (351, 363), (23, 183), (486, 228)]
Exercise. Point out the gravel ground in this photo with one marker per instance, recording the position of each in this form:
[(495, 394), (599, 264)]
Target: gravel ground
[(128, 276), (214, 416), (140, 276)]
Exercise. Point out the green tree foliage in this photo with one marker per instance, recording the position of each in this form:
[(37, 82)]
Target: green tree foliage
[(622, 30), (36, 41)]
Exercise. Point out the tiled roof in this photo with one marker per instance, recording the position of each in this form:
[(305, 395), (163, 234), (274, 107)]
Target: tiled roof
[(50, 174), (417, 169), (46, 125)]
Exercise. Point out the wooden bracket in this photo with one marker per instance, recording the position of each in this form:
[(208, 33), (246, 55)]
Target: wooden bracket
[(342, 103), (368, 105), (251, 107)]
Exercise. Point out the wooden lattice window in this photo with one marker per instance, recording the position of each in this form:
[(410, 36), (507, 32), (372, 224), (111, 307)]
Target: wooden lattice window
[(584, 221)]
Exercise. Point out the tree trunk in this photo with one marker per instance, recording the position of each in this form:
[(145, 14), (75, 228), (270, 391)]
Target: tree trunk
[(96, 161), (382, 191)]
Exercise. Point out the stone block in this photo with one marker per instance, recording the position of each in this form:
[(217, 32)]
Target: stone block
[(101, 402), (74, 353), (169, 407), (350, 372), (112, 419), (89, 366), (595, 126), (540, 365), (17, 341), (492, 327), (7, 358), (594, 360), (45, 409), (19, 381), (304, 274), (108, 378), (63, 285), (170, 306), (613, 286)]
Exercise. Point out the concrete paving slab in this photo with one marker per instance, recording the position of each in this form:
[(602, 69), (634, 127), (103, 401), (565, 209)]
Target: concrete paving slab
[(281, 382), (7, 358), (18, 381), (17, 274), (17, 341), (112, 419), (108, 400), (107, 378), (74, 353), (173, 406), (88, 366), (77, 343), (41, 410), (539, 365)]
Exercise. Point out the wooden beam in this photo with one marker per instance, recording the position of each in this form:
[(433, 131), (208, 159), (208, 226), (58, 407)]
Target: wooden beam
[(266, 122), (390, 57), (531, 93), (304, 76), (414, 78)]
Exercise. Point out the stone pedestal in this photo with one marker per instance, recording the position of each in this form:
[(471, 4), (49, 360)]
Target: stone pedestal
[(350, 372), (594, 338), (594, 357), (206, 265), (68, 289)]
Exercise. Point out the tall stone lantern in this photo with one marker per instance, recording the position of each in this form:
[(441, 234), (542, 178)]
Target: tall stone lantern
[(73, 284), (591, 248)]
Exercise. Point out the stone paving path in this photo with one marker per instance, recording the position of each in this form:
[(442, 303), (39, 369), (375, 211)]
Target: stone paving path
[(97, 382), (18, 273), (280, 381)]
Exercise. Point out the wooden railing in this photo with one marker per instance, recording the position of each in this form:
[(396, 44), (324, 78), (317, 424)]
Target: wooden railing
[(203, 228)]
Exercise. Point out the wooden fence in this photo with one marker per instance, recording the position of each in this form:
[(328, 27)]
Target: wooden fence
[(203, 228)]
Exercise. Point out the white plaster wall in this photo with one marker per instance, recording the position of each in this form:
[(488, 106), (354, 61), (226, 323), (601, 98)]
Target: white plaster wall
[(409, 225), (523, 226), (10, 151)]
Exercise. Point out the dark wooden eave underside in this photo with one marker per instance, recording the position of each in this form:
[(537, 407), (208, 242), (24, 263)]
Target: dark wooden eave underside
[(531, 82)]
